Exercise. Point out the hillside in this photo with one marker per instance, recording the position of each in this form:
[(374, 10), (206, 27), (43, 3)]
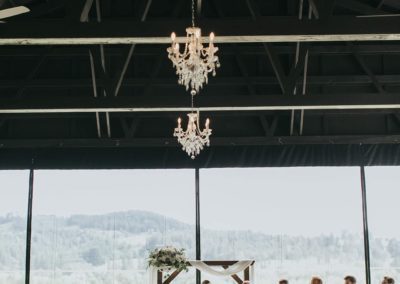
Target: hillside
[(100, 248)]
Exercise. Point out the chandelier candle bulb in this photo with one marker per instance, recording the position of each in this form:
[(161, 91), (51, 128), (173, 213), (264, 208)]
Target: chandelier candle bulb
[(212, 36)]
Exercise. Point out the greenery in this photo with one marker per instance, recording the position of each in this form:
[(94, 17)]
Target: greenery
[(168, 257)]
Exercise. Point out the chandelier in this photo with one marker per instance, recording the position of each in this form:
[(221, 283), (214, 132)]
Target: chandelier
[(193, 65), (193, 139)]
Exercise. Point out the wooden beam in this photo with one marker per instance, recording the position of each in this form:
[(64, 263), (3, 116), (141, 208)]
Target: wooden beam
[(363, 64), (265, 29), (234, 276), (118, 51), (331, 80), (172, 277), (359, 7), (215, 141), (120, 77), (230, 103)]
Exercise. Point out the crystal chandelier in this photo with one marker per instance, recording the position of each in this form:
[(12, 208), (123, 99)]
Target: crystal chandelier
[(193, 139), (196, 61)]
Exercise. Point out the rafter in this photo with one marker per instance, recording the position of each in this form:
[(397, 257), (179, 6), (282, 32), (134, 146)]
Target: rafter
[(360, 60), (360, 7), (118, 51), (216, 141), (34, 71), (139, 103), (330, 80), (265, 29)]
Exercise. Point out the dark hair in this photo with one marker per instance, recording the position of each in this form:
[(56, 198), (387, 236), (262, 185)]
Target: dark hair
[(283, 281), (319, 280), (350, 278), (389, 280), (206, 282)]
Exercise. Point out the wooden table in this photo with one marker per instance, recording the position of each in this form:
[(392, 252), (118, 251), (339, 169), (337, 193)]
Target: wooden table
[(225, 264)]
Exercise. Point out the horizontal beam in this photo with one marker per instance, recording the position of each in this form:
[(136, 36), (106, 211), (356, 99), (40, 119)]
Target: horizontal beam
[(221, 81), (116, 51), (215, 141), (168, 103), (332, 114), (264, 29)]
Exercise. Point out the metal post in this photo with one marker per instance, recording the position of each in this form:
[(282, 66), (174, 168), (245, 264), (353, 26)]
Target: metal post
[(198, 244), (29, 228), (365, 226)]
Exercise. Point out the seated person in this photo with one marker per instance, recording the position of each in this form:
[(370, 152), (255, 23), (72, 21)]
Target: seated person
[(388, 280), (350, 280), (316, 280)]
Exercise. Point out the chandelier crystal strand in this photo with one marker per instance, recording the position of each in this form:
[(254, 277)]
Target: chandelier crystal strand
[(193, 139), (193, 65)]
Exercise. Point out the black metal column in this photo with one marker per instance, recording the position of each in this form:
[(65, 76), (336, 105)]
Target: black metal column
[(29, 228), (365, 226), (198, 244)]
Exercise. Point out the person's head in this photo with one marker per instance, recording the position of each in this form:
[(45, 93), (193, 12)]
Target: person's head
[(350, 280), (283, 281), (388, 280), (206, 282), (316, 280)]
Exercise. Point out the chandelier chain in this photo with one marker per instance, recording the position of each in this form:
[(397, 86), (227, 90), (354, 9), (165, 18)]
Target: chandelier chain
[(192, 102), (193, 13)]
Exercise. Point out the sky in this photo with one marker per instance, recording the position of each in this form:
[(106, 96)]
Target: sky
[(293, 201)]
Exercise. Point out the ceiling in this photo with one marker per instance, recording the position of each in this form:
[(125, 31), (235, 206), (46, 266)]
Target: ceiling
[(58, 76)]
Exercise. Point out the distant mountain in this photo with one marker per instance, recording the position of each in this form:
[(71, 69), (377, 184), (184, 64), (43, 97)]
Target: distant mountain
[(99, 248)]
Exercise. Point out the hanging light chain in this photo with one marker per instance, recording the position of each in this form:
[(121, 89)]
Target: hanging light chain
[(193, 13), (192, 95)]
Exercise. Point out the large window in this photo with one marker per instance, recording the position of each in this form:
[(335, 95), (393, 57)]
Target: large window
[(294, 222), (383, 195), (99, 226), (13, 211)]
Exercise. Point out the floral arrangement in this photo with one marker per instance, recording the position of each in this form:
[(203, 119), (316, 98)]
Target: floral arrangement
[(168, 258)]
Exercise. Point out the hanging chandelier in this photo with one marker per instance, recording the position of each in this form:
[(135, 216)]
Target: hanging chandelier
[(193, 139), (193, 65)]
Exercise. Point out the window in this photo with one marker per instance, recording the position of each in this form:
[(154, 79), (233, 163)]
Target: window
[(99, 226), (383, 197), (14, 188), (294, 222)]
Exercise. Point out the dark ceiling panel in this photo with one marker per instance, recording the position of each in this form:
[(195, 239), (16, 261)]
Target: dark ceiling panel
[(46, 74)]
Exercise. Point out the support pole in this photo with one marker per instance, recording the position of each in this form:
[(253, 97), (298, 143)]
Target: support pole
[(365, 226), (29, 227), (198, 243)]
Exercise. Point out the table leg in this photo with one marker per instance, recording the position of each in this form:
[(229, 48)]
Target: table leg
[(159, 277), (247, 274)]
